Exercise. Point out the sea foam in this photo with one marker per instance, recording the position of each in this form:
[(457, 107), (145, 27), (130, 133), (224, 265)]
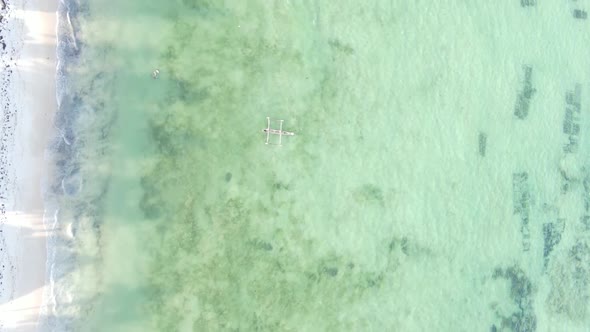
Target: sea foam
[(74, 191)]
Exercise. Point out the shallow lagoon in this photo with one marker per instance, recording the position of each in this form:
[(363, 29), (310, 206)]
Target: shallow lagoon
[(429, 185)]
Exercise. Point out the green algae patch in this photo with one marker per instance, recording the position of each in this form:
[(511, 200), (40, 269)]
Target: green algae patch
[(228, 270), (232, 248)]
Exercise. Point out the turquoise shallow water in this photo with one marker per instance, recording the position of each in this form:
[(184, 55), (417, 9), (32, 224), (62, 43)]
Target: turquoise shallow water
[(438, 179)]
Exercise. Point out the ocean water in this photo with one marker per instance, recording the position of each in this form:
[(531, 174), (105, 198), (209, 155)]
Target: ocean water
[(439, 177)]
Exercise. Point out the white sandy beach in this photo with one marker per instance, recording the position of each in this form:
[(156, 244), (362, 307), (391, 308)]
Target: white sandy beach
[(30, 35)]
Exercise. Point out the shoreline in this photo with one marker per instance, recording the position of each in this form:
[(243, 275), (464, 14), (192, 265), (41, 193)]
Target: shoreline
[(30, 36)]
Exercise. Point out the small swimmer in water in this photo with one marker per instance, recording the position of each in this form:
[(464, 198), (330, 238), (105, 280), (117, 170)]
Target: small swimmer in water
[(156, 73)]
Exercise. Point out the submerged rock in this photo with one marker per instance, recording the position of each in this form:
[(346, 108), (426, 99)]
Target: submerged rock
[(569, 283), (521, 293)]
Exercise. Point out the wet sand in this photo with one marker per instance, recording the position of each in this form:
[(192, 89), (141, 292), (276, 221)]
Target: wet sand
[(29, 103)]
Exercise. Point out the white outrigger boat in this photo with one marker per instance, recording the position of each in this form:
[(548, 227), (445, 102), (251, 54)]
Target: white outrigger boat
[(268, 130)]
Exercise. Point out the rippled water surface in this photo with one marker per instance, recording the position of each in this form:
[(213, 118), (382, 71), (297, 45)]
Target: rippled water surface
[(439, 177)]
